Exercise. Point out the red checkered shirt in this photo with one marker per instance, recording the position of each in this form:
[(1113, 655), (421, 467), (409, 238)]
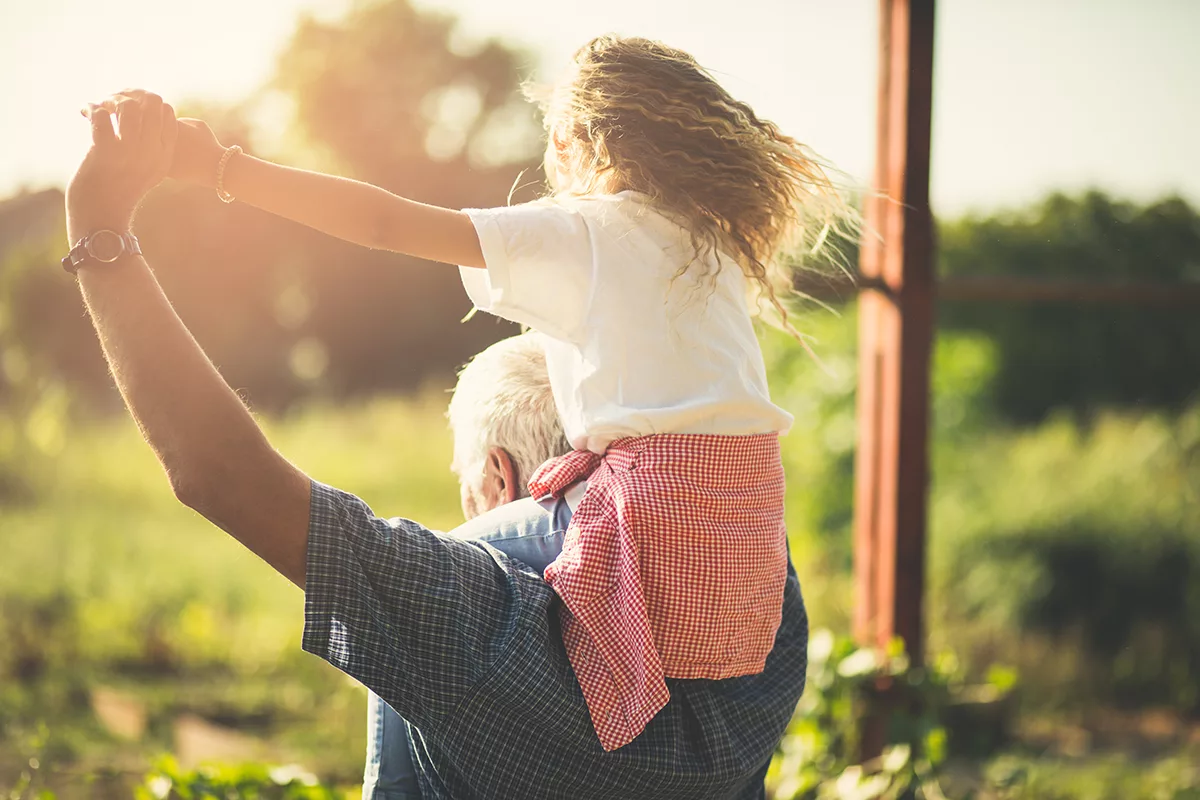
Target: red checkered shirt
[(673, 567)]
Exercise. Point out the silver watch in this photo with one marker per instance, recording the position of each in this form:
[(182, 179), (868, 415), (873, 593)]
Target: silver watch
[(103, 247)]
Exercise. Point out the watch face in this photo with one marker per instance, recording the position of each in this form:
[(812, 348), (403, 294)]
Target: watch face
[(105, 246)]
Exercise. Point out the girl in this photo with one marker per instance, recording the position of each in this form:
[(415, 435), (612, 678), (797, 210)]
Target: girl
[(670, 203)]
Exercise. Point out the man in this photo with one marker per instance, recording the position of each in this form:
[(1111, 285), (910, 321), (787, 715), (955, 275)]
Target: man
[(505, 425), (460, 639)]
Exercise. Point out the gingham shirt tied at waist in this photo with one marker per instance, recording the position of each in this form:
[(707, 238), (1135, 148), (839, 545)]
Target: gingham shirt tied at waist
[(673, 567)]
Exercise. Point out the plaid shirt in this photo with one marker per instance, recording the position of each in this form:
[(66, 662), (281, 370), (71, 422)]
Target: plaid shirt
[(673, 566), (465, 644)]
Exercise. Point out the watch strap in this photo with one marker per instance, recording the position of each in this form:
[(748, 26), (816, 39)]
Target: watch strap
[(79, 254)]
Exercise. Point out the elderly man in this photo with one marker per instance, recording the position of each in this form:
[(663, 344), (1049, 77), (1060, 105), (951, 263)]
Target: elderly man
[(505, 425), (460, 639)]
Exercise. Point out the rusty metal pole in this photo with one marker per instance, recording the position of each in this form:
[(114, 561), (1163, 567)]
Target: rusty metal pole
[(895, 337)]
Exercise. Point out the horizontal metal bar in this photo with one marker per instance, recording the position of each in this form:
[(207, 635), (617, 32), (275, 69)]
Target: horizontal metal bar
[(829, 289), (1018, 290)]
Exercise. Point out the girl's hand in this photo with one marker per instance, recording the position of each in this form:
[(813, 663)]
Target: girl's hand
[(197, 153)]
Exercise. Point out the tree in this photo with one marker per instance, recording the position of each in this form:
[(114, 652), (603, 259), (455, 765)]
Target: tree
[(399, 101), (388, 95)]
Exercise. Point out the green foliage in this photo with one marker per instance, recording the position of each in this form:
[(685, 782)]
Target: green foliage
[(109, 584), (1075, 547), (285, 312), (34, 400), (820, 756), (1069, 546), (1014, 777), (819, 453), (399, 97), (1081, 357), (28, 785), (108, 561), (238, 782)]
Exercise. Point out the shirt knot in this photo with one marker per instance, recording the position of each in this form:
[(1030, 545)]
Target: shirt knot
[(557, 475)]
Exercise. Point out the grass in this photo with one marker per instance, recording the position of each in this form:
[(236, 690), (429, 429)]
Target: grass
[(109, 585), (132, 627)]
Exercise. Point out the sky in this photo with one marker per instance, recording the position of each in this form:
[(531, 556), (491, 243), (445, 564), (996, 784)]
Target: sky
[(1029, 96)]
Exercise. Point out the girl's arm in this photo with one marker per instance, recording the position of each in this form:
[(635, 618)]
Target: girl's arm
[(350, 210)]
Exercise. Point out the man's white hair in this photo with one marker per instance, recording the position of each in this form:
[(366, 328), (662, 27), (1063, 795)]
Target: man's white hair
[(503, 399)]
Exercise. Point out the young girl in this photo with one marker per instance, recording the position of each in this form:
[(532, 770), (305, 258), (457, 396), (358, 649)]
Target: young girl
[(670, 203)]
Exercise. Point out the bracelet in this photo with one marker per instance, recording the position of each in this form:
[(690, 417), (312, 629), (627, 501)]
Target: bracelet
[(229, 153)]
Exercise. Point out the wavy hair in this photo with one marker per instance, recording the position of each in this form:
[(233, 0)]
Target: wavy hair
[(634, 114)]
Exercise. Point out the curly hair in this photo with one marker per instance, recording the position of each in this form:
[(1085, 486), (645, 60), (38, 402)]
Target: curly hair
[(634, 114)]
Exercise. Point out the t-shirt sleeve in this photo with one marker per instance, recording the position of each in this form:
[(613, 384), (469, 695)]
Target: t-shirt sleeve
[(539, 267), (418, 617)]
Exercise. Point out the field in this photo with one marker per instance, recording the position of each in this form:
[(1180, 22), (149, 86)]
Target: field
[(133, 628)]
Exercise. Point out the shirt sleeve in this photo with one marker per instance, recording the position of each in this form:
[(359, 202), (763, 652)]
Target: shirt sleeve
[(539, 270), (418, 617)]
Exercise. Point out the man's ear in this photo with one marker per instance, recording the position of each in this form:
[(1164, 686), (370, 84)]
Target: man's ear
[(500, 478)]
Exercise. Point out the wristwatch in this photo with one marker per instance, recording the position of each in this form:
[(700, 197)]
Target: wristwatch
[(103, 247)]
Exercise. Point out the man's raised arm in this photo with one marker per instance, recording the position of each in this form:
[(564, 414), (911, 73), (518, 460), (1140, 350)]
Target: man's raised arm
[(216, 457)]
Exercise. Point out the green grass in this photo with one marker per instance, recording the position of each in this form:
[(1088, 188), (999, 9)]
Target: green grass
[(107, 581), (108, 584), (1109, 777)]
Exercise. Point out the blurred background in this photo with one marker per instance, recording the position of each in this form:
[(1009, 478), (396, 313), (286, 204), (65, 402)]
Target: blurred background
[(1064, 540)]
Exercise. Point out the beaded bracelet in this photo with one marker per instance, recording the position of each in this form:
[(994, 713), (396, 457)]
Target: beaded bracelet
[(229, 153)]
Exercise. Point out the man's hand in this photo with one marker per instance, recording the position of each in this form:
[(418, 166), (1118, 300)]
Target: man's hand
[(214, 455), (197, 151), (119, 169)]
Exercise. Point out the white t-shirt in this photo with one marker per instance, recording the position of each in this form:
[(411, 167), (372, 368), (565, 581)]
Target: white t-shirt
[(630, 351)]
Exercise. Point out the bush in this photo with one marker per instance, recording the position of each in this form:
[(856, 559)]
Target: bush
[(240, 782), (1071, 547), (1082, 357), (1086, 536), (821, 754)]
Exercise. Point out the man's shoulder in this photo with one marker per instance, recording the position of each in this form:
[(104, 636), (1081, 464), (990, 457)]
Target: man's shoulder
[(417, 616)]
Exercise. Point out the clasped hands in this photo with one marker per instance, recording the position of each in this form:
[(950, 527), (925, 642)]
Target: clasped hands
[(126, 161)]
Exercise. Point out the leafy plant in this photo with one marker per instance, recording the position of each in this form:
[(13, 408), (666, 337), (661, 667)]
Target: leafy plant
[(239, 782), (1074, 550), (1114, 777), (820, 755), (28, 785)]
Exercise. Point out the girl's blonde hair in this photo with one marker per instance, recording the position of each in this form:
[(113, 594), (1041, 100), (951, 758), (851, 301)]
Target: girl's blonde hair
[(635, 114)]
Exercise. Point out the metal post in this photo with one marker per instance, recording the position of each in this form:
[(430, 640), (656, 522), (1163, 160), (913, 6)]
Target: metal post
[(895, 335)]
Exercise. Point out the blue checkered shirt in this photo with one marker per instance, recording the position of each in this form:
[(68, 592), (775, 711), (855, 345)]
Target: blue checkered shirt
[(464, 643)]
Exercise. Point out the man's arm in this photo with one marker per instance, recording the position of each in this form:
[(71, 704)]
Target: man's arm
[(216, 457)]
